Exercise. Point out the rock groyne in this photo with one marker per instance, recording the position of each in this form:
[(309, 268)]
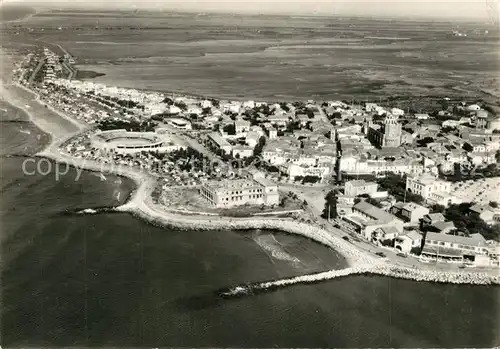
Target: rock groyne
[(382, 269)]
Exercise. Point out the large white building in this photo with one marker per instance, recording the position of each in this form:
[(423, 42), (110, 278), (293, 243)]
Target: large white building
[(454, 247), (124, 142), (431, 188), (359, 187), (231, 193)]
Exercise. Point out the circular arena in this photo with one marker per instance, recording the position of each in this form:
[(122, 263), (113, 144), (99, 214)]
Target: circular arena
[(122, 141)]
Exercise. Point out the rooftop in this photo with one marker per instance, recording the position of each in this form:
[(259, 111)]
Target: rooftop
[(228, 184), (265, 182), (411, 206), (360, 183), (443, 225), (474, 240), (374, 212), (436, 217), (217, 138)]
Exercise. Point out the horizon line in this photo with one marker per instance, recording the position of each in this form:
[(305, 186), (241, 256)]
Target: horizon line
[(325, 14)]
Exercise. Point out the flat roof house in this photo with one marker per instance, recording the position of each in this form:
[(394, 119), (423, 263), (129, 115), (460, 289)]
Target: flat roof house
[(454, 247)]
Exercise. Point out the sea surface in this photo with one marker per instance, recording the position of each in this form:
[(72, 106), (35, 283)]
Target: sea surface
[(274, 57), (111, 279)]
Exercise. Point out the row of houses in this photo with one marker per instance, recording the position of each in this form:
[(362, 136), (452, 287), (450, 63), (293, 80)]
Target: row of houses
[(377, 225)]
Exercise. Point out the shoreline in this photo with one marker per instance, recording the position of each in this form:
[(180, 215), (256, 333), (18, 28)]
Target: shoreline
[(140, 204)]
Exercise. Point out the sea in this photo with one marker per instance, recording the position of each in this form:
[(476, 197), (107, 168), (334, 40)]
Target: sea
[(111, 279), (273, 58)]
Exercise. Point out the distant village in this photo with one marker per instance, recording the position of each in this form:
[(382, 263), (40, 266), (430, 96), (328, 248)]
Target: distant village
[(420, 183)]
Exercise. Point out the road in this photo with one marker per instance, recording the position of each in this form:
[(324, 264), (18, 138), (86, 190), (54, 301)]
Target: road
[(38, 67), (323, 115), (193, 143), (71, 70)]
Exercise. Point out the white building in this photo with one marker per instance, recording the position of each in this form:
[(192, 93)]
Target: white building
[(294, 170), (241, 126), (124, 142), (428, 186), (241, 151), (454, 247), (359, 187), (180, 124), (231, 193), (405, 243)]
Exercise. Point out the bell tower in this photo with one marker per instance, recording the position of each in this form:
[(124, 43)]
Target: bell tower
[(392, 132)]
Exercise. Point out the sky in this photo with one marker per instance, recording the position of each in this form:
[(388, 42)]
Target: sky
[(473, 9)]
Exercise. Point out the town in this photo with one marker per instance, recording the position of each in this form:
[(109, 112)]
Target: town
[(415, 182)]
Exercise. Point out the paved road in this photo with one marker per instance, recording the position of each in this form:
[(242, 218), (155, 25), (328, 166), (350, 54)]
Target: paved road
[(71, 70), (38, 67), (323, 115)]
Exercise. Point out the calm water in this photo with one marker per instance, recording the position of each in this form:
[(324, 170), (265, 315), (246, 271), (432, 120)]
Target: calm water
[(113, 280), (272, 57)]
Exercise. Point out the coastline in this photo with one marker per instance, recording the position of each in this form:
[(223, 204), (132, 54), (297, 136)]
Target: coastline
[(140, 204)]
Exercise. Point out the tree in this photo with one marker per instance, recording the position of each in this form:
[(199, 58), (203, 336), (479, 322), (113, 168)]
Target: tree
[(416, 250), (436, 208), (283, 201), (229, 129), (467, 147), (337, 115), (423, 142), (494, 204), (330, 210), (258, 148), (311, 179)]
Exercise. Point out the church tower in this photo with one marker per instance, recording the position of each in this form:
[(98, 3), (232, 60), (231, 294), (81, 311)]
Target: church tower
[(392, 132)]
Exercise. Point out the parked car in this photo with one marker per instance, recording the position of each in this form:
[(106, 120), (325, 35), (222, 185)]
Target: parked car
[(380, 254), (346, 238), (400, 254)]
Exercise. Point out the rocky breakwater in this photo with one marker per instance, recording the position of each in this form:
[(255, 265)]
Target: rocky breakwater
[(379, 268), (254, 288), (428, 275)]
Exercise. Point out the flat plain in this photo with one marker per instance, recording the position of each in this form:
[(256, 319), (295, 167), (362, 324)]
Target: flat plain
[(275, 57)]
